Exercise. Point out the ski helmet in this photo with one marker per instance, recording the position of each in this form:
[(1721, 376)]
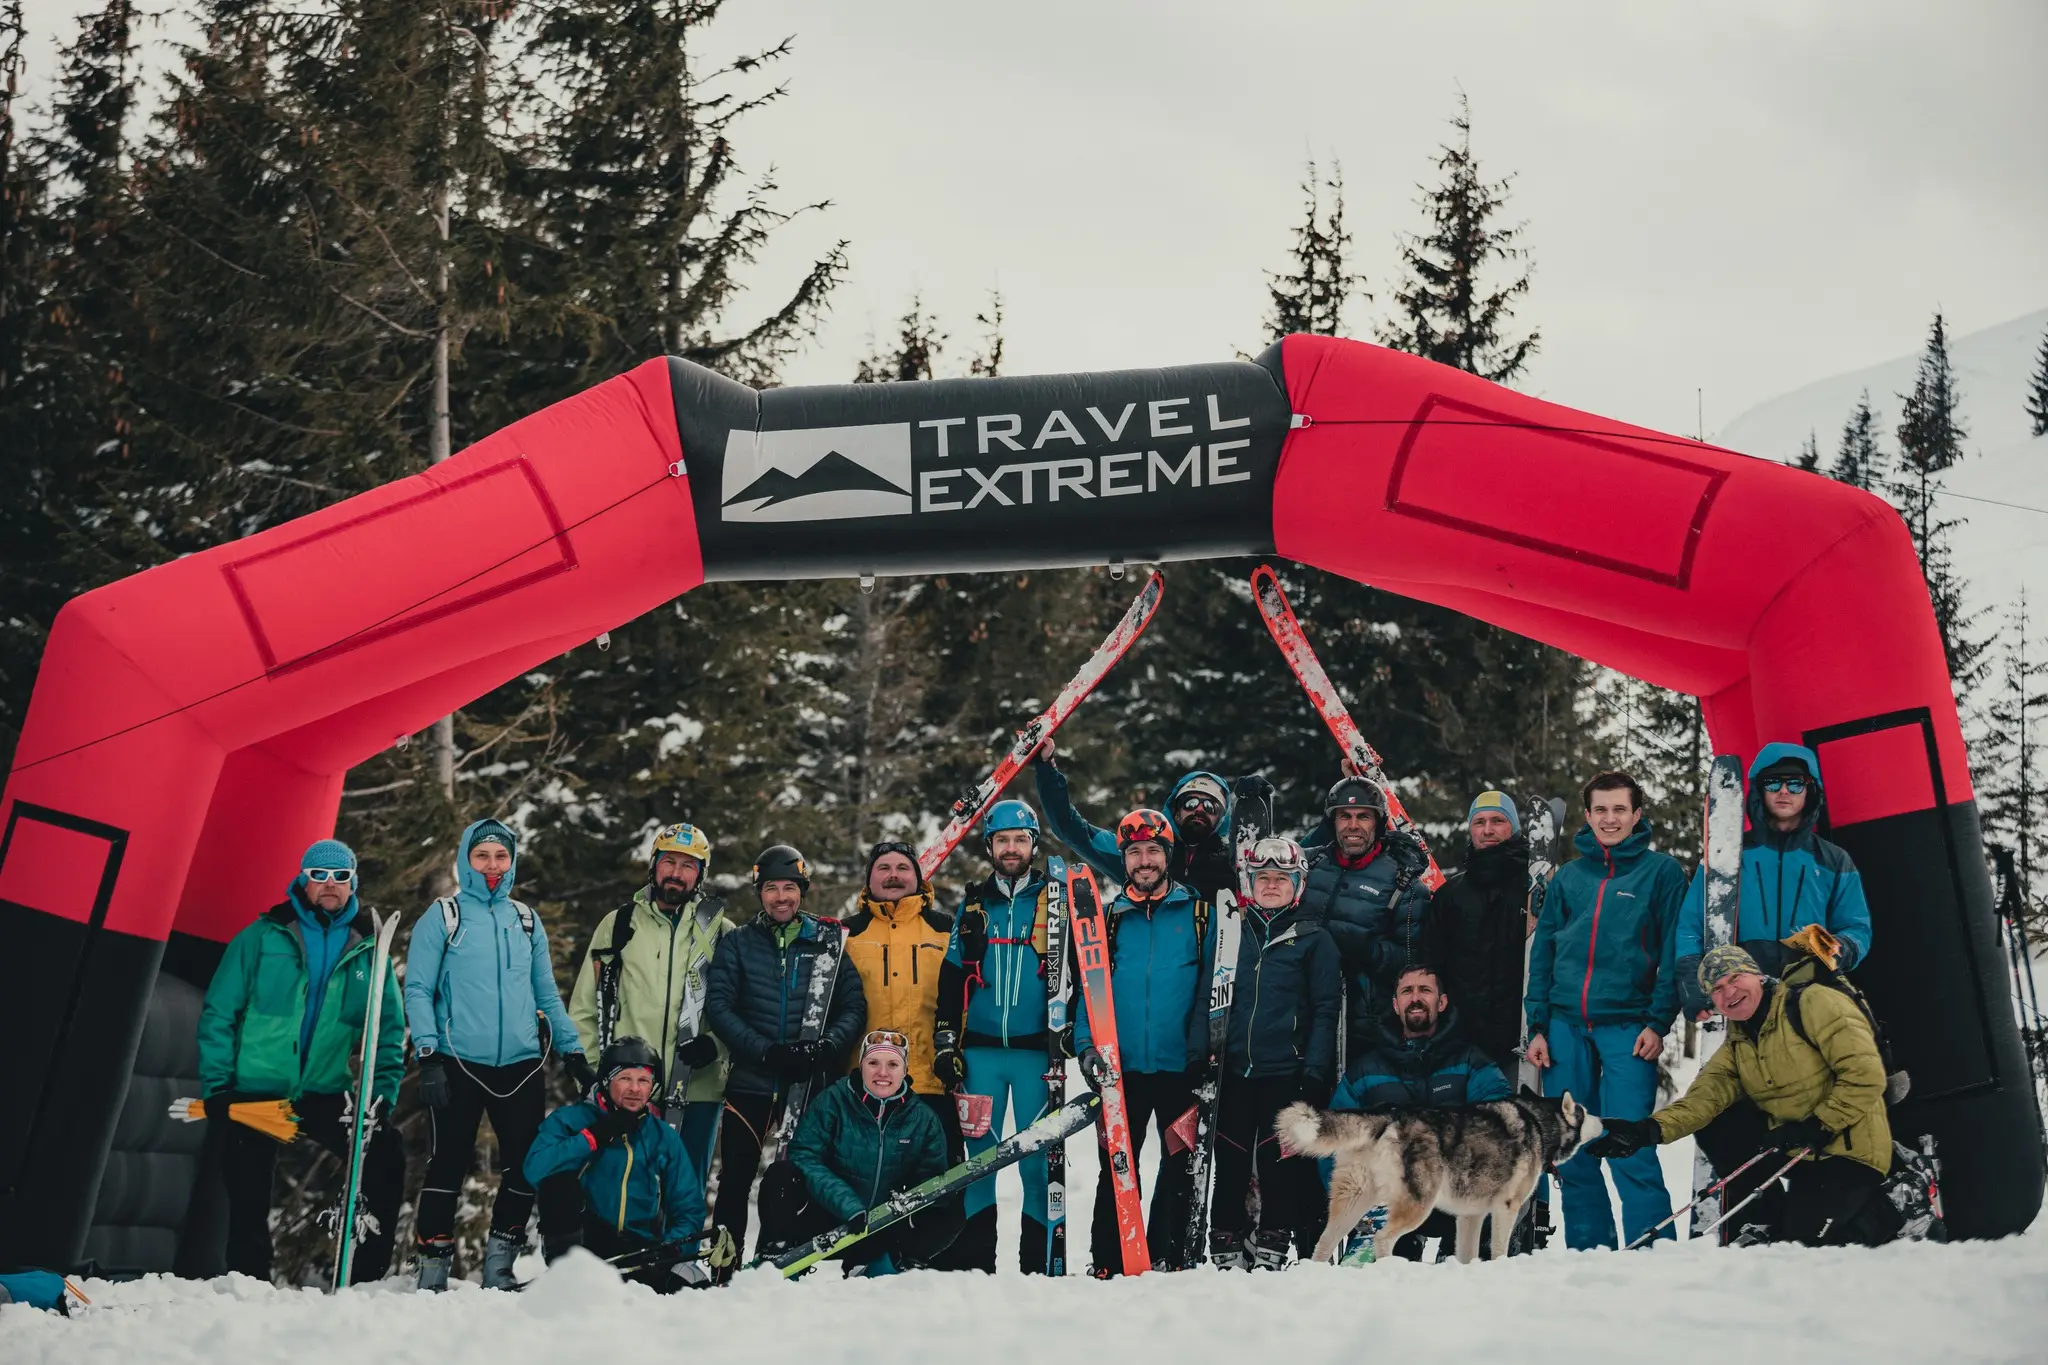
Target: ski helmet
[(1356, 793), (1009, 815), (623, 1055), (781, 862), (1142, 824), (681, 838), (1277, 853)]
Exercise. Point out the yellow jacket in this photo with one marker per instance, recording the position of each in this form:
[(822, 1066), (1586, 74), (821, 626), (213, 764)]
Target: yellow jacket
[(1838, 1078), (898, 947)]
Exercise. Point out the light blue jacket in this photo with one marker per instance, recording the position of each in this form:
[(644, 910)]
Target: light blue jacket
[(1159, 978), (480, 995)]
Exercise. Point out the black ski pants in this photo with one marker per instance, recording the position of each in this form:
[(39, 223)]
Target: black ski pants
[(657, 1272), (1149, 1098), (513, 1096), (1832, 1201), (248, 1159), (748, 1126), (1290, 1194)]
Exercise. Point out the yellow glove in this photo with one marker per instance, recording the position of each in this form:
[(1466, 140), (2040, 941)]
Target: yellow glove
[(723, 1253), (1816, 941)]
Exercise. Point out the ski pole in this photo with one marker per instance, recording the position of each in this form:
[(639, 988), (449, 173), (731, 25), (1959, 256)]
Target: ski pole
[(1714, 1188), (1797, 1157)]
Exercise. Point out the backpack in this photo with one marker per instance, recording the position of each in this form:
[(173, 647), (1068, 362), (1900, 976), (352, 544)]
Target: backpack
[(1897, 1081), (451, 915)]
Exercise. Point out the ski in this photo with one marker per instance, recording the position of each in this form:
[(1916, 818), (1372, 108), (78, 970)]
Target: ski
[(1049, 1133), (690, 1019), (1091, 954), (1329, 703), (353, 1214), (817, 1005), (1059, 995), (1721, 858), (1222, 989), (973, 803), (1541, 823)]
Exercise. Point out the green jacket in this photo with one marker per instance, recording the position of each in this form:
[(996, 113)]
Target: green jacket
[(1838, 1078), (249, 1026), (654, 969), (855, 1151)]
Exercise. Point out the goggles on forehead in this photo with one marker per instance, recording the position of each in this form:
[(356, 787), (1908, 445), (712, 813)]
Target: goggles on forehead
[(342, 875), (885, 1037)]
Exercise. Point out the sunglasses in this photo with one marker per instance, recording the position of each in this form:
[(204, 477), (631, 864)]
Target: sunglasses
[(1198, 801), (1795, 785), (329, 874), (886, 1037)]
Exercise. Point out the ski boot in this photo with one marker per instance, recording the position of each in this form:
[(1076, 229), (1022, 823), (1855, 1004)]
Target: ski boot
[(553, 1249), (435, 1260), (1227, 1251), (501, 1249), (1270, 1248)]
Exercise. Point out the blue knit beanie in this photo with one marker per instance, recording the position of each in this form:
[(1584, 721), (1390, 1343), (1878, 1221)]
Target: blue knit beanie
[(1495, 801), (329, 853)]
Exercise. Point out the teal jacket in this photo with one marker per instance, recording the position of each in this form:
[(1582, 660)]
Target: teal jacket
[(643, 1183), (855, 1150), (480, 996), (1604, 950), (1159, 965), (249, 1027)]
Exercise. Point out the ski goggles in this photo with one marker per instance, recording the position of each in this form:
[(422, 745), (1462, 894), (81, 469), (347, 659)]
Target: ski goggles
[(1795, 785), (1201, 801), (343, 875), (885, 1037)]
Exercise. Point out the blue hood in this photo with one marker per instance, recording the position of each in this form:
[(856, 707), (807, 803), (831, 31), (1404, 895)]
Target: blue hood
[(1753, 805), (1229, 800), (469, 882)]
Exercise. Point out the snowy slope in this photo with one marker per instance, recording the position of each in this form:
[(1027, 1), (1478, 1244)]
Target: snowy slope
[(2002, 547)]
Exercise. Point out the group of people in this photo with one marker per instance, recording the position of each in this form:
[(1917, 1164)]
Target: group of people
[(836, 1047)]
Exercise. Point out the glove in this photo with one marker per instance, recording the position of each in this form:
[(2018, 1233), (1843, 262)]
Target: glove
[(1625, 1137), (612, 1123), (1816, 942), (216, 1104), (1095, 1069), (1691, 999), (435, 1092), (699, 1051), (973, 938), (1315, 1091), (949, 1069), (577, 1068), (718, 1250), (1770, 954), (791, 1061), (1801, 1134)]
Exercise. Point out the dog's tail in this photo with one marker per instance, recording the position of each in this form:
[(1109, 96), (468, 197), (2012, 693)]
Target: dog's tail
[(1304, 1130)]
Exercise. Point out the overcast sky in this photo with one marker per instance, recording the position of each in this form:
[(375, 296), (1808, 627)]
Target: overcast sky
[(1738, 197)]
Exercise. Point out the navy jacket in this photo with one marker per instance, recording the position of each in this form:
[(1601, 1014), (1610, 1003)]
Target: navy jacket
[(1442, 1071), (1286, 1002), (1375, 910), (754, 997)]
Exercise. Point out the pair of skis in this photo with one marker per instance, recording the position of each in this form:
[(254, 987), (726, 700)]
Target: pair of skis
[(1222, 991), (817, 1006), (355, 1214), (1721, 860)]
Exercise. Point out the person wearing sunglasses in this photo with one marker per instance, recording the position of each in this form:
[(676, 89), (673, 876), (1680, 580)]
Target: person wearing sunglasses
[(1791, 878), (283, 1017)]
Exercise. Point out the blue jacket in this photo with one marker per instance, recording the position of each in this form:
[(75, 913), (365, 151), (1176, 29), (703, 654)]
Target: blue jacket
[(1605, 944), (1442, 1071), (480, 995), (1159, 977), (1286, 1001), (855, 1150), (1207, 865), (754, 997), (1789, 881), (643, 1183), (1005, 1000)]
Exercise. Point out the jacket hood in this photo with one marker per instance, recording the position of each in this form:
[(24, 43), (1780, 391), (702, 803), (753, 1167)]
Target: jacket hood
[(1627, 851), (1753, 803), (1508, 857), (304, 907), (1229, 799), (469, 882)]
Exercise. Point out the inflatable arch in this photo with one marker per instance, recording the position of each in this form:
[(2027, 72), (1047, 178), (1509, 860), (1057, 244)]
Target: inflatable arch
[(191, 725)]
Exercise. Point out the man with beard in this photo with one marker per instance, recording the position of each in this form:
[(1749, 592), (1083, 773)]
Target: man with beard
[(1419, 1056), (991, 1024), (1477, 927), (650, 949), (1202, 809), (1161, 948), (1363, 885)]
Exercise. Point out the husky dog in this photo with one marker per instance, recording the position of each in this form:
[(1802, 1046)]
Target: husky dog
[(1469, 1162)]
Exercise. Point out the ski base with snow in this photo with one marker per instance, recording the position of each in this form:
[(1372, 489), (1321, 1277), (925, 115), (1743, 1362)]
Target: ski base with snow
[(1721, 858), (354, 1215)]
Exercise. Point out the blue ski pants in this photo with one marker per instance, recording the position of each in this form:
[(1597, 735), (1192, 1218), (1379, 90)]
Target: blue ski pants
[(1598, 1065), (1014, 1078)]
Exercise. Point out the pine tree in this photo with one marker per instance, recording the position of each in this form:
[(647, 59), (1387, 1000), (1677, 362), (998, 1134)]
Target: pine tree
[(1310, 296), (1809, 454), (2009, 755), (1931, 435), (1445, 310), (1859, 460), (2037, 391)]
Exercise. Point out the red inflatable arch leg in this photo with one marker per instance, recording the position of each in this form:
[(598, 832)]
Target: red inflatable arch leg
[(191, 726)]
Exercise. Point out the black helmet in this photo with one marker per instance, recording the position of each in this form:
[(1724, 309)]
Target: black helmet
[(780, 862), (1356, 793), (623, 1055)]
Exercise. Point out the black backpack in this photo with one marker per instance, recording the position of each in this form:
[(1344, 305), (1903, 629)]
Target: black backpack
[(1897, 1081)]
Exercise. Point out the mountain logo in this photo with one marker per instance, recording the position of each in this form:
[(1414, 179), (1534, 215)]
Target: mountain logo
[(817, 473)]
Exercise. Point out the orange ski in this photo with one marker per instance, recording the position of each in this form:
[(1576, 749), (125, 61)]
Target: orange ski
[(1091, 952)]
